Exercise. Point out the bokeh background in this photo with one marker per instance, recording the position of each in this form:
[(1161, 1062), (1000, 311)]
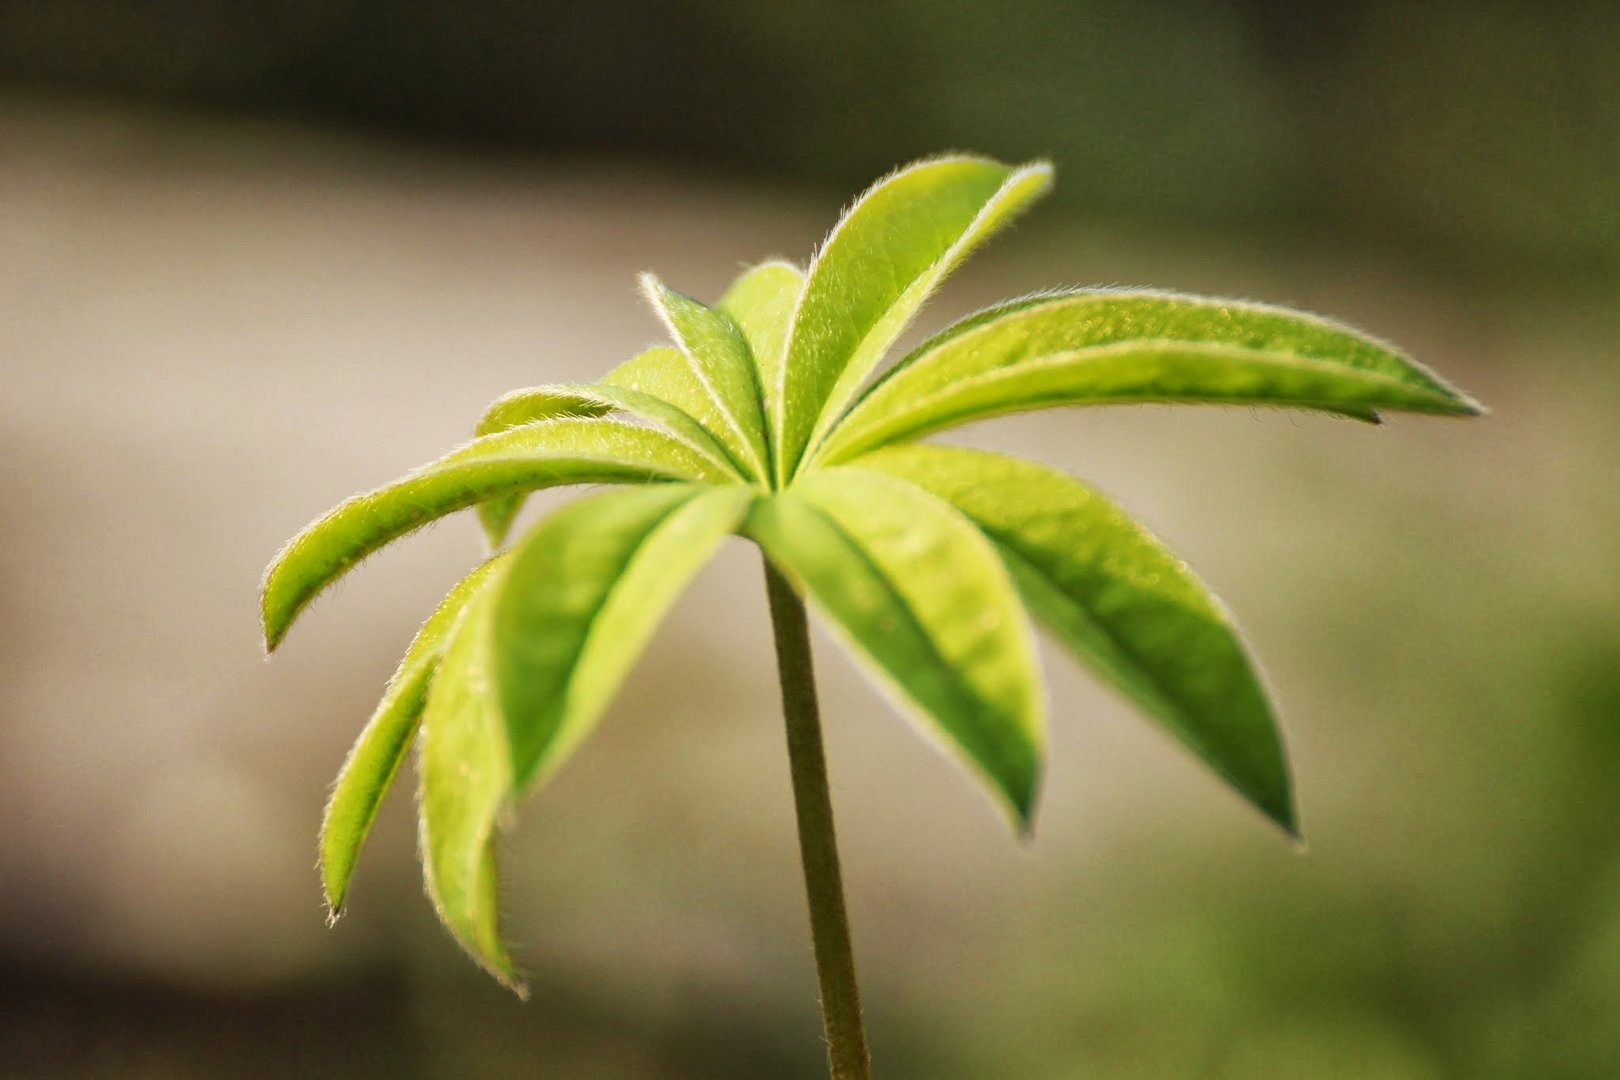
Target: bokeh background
[(254, 258)]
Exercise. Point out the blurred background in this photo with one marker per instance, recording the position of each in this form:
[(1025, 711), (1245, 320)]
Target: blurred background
[(254, 258)]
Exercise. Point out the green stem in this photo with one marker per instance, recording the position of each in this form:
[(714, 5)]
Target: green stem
[(818, 846)]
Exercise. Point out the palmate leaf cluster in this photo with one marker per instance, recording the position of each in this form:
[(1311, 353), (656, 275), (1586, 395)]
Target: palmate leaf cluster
[(766, 419)]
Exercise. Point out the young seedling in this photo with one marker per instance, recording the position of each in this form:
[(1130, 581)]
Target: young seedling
[(764, 420)]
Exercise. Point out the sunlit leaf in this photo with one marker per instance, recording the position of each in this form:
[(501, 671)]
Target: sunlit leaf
[(515, 409), (466, 783), (599, 399), (882, 260), (1096, 347), (373, 762), (585, 592), (535, 403), (563, 451), (761, 303), (578, 399), (766, 419), (1128, 607), (723, 367), (920, 593)]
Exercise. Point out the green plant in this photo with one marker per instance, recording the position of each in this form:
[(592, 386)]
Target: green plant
[(765, 421)]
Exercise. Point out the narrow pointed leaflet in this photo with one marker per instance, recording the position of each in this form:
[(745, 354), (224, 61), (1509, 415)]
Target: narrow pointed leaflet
[(466, 782), (761, 303), (585, 592), (541, 403), (882, 260), (919, 593), (723, 367), (1098, 347), (562, 451), (373, 762), (1126, 606)]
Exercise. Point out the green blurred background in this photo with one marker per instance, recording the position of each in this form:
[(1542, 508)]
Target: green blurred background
[(255, 258)]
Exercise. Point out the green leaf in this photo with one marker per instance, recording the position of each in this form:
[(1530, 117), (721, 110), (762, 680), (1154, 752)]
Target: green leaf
[(761, 303), (722, 368), (599, 399), (541, 403), (374, 760), (1124, 604), (585, 592), (1095, 347), (879, 265), (536, 403), (515, 409), (563, 451), (920, 593), (466, 784)]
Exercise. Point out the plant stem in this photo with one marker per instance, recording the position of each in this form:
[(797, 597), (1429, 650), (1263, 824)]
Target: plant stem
[(847, 1055)]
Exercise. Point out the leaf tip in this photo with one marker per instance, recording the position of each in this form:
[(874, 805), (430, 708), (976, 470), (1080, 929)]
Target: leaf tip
[(1459, 402), (497, 963), (1042, 168), (273, 634), (1020, 805), (271, 627), (1271, 794), (496, 528), (280, 602), (334, 886), (1283, 814), (492, 957), (651, 287)]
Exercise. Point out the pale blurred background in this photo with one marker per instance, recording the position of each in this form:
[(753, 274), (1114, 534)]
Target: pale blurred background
[(255, 259)]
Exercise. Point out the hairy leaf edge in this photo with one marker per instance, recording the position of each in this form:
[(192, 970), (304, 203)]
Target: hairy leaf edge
[(847, 444), (484, 858), (278, 620), (785, 470), (400, 708), (528, 777), (984, 319), (654, 289)]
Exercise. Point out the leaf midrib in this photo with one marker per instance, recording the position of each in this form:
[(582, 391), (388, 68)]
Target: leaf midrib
[(987, 320), (955, 676), (884, 430), (1187, 729), (534, 775), (654, 291), (622, 399)]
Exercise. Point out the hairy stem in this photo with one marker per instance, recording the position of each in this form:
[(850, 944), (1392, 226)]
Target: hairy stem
[(818, 846)]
